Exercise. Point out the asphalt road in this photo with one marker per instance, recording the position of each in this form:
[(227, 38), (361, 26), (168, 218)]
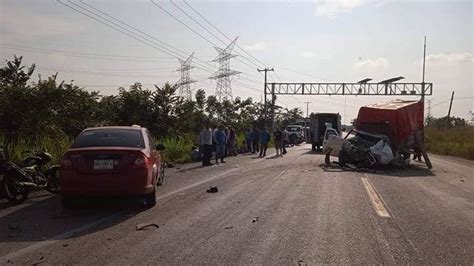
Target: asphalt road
[(288, 210)]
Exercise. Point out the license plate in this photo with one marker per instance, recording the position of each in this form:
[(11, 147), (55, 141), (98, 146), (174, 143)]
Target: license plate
[(103, 164)]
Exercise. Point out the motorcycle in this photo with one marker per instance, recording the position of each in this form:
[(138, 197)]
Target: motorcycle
[(33, 172)]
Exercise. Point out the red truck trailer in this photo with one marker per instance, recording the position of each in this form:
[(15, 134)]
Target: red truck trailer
[(401, 121)]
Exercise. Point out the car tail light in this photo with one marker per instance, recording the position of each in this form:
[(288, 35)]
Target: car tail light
[(140, 161)]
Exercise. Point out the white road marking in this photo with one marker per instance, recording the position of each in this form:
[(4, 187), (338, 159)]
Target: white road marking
[(378, 204), (4, 259)]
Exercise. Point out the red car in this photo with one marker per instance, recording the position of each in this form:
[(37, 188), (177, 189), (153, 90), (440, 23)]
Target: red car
[(111, 161)]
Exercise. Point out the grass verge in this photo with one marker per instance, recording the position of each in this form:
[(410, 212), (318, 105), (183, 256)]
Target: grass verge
[(457, 142)]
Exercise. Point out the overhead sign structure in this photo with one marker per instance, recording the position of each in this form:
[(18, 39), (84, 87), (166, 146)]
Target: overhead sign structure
[(359, 88)]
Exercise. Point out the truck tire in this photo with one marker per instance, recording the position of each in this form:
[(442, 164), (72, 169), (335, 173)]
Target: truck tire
[(313, 147)]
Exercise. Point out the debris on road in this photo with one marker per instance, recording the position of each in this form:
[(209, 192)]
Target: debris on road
[(228, 227), (41, 260), (139, 227), (255, 219), (301, 262), (212, 190)]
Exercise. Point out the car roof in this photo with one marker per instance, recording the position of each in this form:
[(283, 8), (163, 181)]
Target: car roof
[(115, 127)]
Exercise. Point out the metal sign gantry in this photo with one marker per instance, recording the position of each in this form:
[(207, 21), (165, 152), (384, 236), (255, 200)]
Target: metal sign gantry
[(372, 89)]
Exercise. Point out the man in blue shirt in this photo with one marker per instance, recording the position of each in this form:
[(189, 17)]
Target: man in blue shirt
[(221, 139), (264, 139)]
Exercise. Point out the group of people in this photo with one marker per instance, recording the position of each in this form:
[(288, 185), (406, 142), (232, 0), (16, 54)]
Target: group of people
[(223, 141), (257, 140)]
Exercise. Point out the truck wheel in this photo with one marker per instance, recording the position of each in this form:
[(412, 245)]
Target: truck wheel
[(313, 147)]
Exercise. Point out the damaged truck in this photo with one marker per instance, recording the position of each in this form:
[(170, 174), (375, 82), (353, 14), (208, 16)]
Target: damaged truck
[(384, 134)]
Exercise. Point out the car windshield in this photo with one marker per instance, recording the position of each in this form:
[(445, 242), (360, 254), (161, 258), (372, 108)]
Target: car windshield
[(110, 138)]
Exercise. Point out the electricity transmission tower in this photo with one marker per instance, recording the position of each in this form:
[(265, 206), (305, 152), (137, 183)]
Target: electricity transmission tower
[(185, 81), (223, 75)]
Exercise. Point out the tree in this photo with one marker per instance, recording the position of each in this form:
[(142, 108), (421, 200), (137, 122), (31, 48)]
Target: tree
[(201, 99), (166, 102)]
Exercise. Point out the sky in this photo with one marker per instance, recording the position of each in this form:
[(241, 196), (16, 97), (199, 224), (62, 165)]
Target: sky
[(304, 41)]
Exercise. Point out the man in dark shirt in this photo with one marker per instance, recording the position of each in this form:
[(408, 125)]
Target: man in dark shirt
[(255, 139), (278, 140)]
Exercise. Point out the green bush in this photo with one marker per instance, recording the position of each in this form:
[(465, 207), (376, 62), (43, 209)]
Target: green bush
[(457, 141)]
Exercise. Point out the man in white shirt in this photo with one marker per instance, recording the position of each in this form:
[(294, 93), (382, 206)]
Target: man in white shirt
[(205, 140)]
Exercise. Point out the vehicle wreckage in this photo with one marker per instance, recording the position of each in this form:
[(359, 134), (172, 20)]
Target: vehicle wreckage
[(384, 134)]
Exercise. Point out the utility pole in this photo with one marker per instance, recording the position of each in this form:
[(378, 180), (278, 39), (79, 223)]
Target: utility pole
[(449, 111), (265, 92), (423, 77), (307, 109), (423, 90)]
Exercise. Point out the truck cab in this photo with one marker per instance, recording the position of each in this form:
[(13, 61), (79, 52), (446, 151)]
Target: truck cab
[(319, 123)]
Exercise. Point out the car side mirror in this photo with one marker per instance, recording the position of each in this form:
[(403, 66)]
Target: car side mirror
[(160, 147)]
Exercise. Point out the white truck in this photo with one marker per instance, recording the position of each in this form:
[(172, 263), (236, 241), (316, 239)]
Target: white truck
[(318, 123)]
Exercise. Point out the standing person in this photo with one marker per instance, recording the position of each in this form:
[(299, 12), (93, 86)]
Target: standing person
[(231, 142), (214, 143), (248, 140), (285, 141), (221, 140), (264, 139), (278, 140), (255, 139), (226, 150), (205, 140)]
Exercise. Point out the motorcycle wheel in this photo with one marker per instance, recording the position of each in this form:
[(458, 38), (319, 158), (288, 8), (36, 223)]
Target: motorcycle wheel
[(14, 193), (53, 186)]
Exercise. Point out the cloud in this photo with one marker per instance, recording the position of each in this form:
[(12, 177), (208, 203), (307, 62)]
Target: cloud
[(256, 46), (25, 24), (380, 63), (307, 54), (450, 59), (330, 8)]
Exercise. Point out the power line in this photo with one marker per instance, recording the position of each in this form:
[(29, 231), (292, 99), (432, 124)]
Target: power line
[(457, 98), (143, 33), (205, 28), (112, 70), (190, 28), (82, 55), (125, 31), (218, 30), (86, 54), (136, 29)]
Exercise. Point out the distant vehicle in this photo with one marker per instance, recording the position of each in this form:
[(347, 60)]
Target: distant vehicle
[(112, 161), (318, 124), (295, 134)]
